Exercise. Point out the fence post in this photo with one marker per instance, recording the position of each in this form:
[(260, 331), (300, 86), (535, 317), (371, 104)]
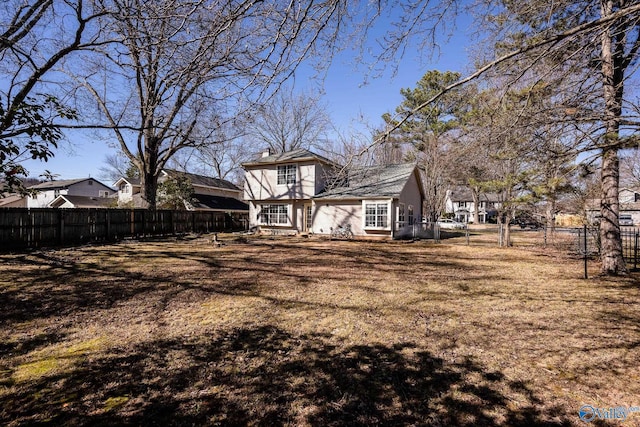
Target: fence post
[(635, 252), (586, 275), (61, 225), (108, 224)]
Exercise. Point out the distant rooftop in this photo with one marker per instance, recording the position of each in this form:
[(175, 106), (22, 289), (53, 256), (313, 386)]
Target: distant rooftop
[(202, 180), (62, 183), (84, 201), (463, 193), (219, 203)]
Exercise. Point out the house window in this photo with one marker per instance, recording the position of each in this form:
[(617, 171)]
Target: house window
[(124, 188), (56, 193), (287, 174), (103, 193), (376, 215), (411, 218), (274, 214), (401, 215), (462, 204), (309, 220)]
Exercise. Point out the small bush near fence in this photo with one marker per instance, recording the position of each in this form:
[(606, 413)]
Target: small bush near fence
[(22, 228)]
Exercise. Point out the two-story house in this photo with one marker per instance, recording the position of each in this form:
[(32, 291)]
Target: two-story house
[(46, 193), (461, 204), (300, 191)]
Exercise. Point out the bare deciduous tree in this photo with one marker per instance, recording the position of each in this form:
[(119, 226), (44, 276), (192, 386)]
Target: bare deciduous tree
[(31, 109), (288, 121), (177, 62)]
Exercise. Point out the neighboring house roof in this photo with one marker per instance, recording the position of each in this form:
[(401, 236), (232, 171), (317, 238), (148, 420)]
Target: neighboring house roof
[(218, 203), (297, 155), (82, 201), (373, 182), (205, 181), (12, 200), (197, 180), (62, 183), (132, 181), (464, 194)]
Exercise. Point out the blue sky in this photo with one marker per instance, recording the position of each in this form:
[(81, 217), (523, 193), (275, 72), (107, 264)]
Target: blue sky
[(349, 103)]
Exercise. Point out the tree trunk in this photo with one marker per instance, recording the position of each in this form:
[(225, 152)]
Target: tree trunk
[(149, 189), (551, 214), (475, 194), (610, 238), (612, 83)]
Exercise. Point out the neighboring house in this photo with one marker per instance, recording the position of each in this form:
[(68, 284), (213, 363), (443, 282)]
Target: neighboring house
[(300, 191), (459, 202), (210, 194), (629, 208), (127, 189), (47, 192)]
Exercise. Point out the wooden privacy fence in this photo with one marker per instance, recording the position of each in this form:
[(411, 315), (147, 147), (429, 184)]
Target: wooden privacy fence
[(31, 228)]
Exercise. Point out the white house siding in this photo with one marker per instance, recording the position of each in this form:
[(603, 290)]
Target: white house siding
[(328, 214), (43, 198), (126, 192), (262, 183), (410, 195)]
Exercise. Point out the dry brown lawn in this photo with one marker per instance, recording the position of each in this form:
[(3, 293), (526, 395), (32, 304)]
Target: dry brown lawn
[(312, 332)]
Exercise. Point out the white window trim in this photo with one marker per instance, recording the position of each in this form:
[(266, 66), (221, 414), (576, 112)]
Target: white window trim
[(277, 224), (286, 175), (387, 226), (401, 215)]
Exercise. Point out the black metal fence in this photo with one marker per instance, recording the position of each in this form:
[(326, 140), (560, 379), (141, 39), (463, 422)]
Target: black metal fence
[(22, 228)]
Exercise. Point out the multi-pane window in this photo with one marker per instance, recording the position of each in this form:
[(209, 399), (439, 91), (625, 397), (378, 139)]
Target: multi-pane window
[(401, 215), (309, 220), (286, 174), (274, 214), (376, 215)]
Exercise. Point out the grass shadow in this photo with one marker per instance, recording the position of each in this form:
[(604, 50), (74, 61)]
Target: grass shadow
[(267, 376)]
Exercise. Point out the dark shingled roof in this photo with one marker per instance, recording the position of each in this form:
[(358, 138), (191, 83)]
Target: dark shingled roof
[(206, 181), (219, 203), (86, 201), (463, 194), (62, 183), (374, 181), (297, 155)]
